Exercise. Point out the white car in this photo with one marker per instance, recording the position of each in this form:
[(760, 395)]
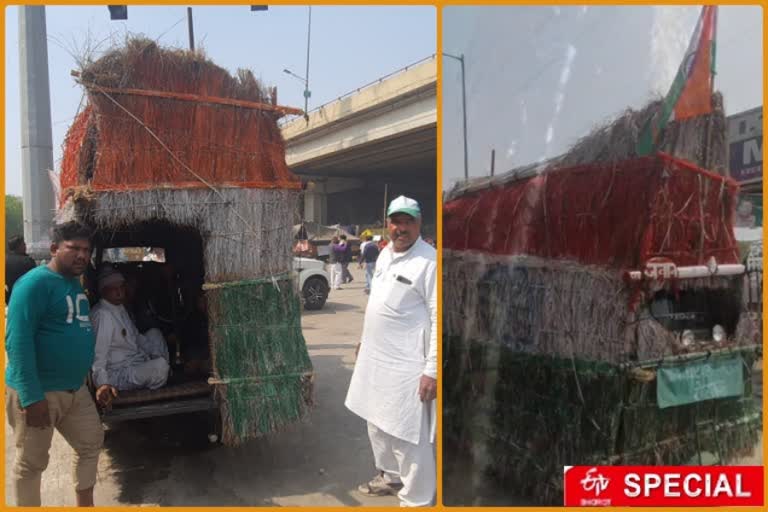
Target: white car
[(313, 282)]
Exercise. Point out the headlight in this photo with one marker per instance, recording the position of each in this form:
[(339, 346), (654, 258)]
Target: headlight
[(687, 338), (718, 333)]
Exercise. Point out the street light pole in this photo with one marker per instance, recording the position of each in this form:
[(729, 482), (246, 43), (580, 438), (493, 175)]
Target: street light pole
[(460, 58), (306, 75), (305, 78), (191, 30), (38, 200)]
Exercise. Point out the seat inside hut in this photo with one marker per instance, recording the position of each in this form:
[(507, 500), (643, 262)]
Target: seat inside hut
[(163, 267)]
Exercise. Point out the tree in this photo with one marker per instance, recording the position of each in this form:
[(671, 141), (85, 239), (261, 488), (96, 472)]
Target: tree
[(14, 217)]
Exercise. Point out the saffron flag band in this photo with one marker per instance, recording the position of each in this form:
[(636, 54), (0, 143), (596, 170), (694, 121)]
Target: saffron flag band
[(690, 94)]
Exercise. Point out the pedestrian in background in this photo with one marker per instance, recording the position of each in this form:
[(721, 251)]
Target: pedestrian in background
[(365, 240), (17, 263), (334, 258), (368, 256), (346, 275)]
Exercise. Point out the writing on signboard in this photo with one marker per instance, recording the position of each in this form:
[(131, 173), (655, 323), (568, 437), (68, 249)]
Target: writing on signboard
[(700, 380), (745, 145), (747, 159)]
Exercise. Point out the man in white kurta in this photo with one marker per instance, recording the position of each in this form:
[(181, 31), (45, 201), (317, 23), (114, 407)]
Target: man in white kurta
[(394, 382), (124, 358)]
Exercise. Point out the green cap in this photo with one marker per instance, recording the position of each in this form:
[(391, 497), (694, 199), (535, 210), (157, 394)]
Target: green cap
[(404, 204)]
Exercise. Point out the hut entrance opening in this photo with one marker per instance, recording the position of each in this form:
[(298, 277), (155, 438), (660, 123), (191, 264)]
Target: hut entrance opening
[(164, 271)]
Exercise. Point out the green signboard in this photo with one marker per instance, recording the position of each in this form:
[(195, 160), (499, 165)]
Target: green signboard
[(700, 380)]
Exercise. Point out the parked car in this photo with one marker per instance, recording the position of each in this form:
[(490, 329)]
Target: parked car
[(313, 282)]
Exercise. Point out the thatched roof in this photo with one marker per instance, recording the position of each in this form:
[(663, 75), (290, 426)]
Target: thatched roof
[(161, 117), (141, 64), (701, 140)]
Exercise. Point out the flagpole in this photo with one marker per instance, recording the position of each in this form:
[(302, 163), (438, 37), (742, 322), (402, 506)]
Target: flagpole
[(714, 49), (711, 118)]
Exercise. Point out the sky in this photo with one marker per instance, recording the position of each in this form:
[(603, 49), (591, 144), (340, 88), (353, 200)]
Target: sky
[(350, 47), (539, 77)]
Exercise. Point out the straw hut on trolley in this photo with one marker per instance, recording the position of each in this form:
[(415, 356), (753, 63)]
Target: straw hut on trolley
[(594, 311), (172, 151)]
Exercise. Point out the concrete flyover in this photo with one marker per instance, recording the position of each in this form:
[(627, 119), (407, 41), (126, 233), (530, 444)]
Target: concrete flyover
[(382, 135)]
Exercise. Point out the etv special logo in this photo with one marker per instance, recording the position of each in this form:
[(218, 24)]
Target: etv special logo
[(595, 483), (662, 486)]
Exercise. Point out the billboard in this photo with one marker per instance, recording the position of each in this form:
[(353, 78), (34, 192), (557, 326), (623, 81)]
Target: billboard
[(745, 146)]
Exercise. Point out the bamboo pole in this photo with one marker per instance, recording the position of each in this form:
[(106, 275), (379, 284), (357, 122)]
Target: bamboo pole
[(282, 110)]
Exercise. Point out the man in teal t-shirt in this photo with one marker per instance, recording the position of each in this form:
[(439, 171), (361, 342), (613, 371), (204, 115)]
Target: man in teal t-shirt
[(50, 346)]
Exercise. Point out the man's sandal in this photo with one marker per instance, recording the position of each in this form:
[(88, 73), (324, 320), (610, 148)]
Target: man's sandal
[(379, 487)]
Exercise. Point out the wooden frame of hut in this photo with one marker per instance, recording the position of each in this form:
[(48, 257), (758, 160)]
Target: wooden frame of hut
[(552, 353), (173, 151)]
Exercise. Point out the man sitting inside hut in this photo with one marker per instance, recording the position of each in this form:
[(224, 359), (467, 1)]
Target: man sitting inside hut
[(125, 358)]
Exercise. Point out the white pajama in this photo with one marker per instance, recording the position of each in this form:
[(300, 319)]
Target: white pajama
[(152, 374), (336, 275), (411, 464), (149, 374)]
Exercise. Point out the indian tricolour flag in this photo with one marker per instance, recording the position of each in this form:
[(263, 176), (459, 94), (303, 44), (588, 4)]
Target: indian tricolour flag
[(691, 91)]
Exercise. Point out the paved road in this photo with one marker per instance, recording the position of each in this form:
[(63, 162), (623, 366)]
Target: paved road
[(319, 463)]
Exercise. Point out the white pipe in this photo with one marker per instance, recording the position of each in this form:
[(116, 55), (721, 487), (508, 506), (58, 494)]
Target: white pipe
[(732, 269)]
